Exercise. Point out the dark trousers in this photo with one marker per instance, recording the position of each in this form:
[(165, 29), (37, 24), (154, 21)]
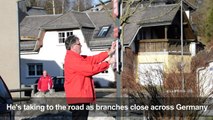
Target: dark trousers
[(79, 114)]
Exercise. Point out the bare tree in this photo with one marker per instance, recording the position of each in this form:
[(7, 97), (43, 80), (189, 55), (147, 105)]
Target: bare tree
[(162, 100), (54, 6), (81, 5), (202, 17)]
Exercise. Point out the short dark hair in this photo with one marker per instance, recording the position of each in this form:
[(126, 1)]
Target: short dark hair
[(70, 41)]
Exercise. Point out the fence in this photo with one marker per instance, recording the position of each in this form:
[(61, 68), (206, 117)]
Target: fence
[(28, 92)]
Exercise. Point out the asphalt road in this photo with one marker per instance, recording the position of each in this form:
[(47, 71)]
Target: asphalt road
[(38, 108)]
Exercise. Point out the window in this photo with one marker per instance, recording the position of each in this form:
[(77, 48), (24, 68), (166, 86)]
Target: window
[(35, 69), (103, 32), (153, 33), (63, 35)]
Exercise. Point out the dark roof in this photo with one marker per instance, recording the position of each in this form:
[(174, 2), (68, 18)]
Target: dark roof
[(189, 6), (152, 16), (22, 10), (69, 20), (30, 25), (22, 5), (156, 15), (88, 34), (25, 9), (100, 19), (36, 11)]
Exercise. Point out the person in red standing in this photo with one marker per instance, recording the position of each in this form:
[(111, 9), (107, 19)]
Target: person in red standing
[(45, 82), (79, 85)]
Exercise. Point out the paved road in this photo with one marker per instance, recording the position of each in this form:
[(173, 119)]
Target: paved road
[(33, 110), (65, 116)]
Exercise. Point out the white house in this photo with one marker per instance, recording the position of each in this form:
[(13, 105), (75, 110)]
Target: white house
[(42, 44)]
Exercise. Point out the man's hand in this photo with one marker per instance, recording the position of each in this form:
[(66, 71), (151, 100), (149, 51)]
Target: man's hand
[(111, 60), (112, 49)]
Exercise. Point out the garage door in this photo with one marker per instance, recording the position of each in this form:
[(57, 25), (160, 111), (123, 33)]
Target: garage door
[(150, 73)]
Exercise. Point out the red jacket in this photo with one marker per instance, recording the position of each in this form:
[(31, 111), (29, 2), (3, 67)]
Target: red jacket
[(45, 83), (79, 86)]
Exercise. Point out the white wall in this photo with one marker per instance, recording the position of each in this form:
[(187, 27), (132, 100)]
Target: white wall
[(192, 48), (188, 14), (9, 46)]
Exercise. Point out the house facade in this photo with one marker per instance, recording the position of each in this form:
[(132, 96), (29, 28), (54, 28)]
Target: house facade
[(158, 43), (152, 44)]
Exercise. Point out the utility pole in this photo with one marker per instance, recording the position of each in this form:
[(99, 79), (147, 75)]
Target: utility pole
[(182, 62), (117, 7)]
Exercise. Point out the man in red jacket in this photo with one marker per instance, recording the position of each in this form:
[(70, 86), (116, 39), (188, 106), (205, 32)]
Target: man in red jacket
[(45, 82), (79, 85)]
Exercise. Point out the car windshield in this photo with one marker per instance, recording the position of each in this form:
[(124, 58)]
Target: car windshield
[(4, 94)]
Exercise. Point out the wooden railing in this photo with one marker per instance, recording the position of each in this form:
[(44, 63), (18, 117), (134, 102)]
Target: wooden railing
[(21, 90)]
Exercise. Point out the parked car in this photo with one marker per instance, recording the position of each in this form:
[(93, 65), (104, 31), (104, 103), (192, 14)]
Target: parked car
[(5, 99), (58, 83)]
